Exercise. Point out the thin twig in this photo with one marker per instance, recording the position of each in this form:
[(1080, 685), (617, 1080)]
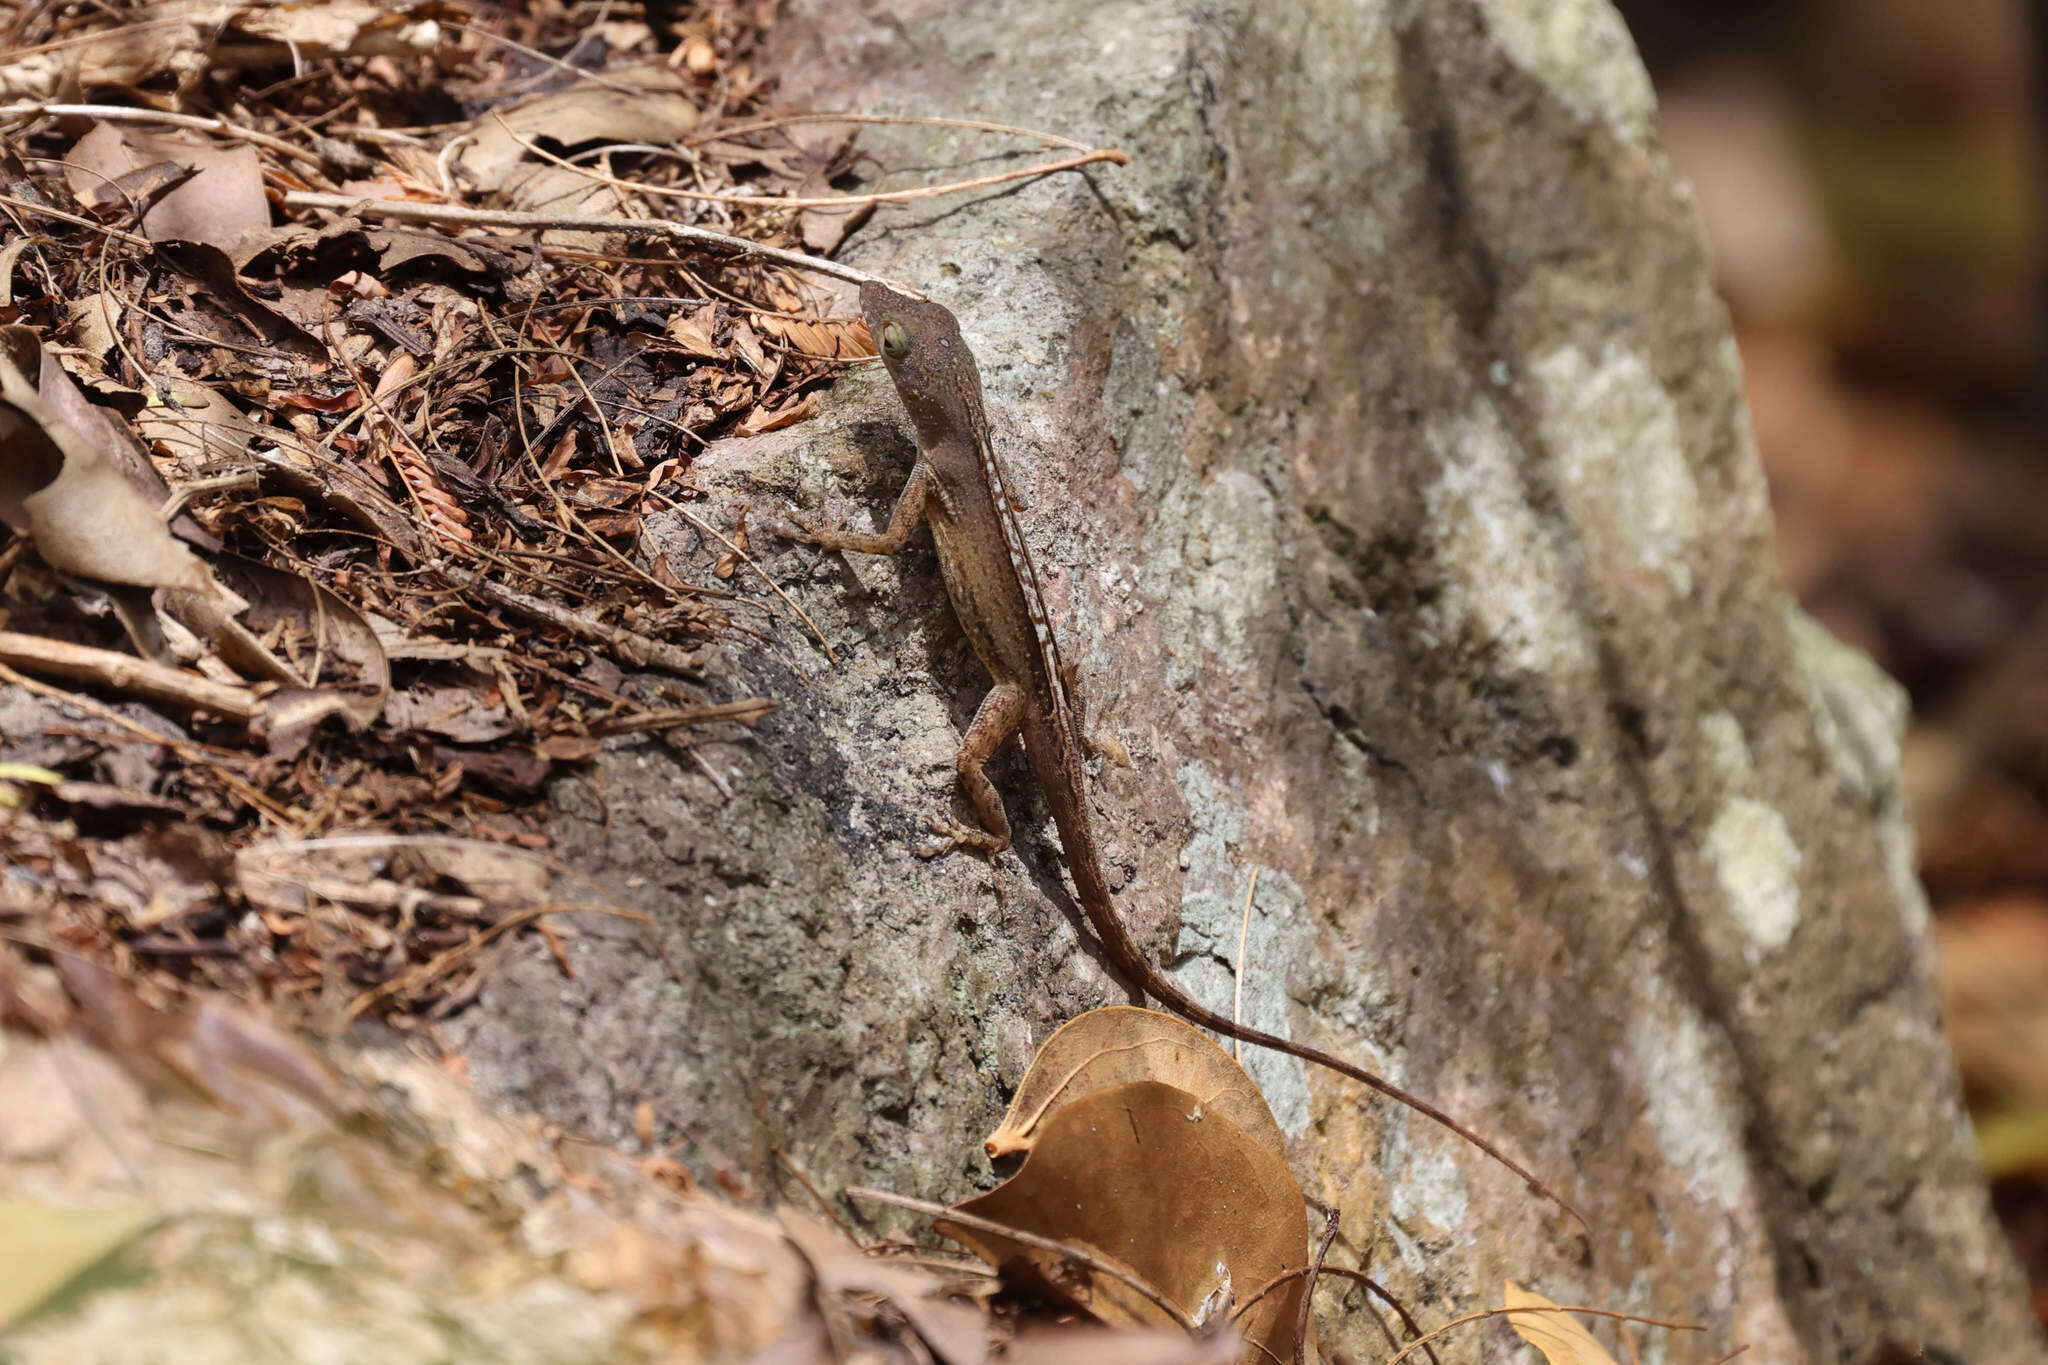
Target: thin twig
[(1244, 931), (1308, 1292), (835, 201), (192, 753), (411, 211), (1079, 1255), (751, 711), (120, 113), (126, 673), (907, 120)]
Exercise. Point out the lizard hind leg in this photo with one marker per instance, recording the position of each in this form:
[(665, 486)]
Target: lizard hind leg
[(995, 720)]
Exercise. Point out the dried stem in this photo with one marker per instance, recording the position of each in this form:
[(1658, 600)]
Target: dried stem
[(412, 211)]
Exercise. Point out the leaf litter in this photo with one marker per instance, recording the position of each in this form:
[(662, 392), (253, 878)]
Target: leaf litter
[(329, 525)]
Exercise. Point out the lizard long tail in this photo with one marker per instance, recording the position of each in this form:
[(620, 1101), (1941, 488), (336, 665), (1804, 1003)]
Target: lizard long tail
[(1158, 985), (1084, 862)]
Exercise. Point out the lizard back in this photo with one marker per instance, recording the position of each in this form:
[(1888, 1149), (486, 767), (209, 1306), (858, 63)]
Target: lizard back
[(994, 585)]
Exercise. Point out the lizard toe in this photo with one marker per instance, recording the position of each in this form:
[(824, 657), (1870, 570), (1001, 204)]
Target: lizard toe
[(954, 835)]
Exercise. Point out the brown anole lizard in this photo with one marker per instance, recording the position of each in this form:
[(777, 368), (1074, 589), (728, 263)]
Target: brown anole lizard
[(958, 486)]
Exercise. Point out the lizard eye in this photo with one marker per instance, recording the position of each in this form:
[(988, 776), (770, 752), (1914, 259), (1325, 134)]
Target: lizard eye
[(895, 341)]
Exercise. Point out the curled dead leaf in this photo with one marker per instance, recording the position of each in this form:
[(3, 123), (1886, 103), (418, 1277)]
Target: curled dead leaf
[(1121, 1044), (692, 331), (1151, 1178), (194, 424), (761, 420), (65, 490), (95, 322)]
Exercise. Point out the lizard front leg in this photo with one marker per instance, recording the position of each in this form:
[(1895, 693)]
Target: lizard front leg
[(995, 720), (1000, 712), (909, 512)]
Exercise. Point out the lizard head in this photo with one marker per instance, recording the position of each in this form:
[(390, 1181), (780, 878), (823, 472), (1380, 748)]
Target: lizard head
[(934, 371)]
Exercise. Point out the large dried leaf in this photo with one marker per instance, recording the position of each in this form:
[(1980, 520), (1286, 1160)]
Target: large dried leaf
[(1149, 1176), (459, 704), (645, 104), (194, 424), (211, 266), (1121, 1044), (330, 638), (96, 322), (1561, 1338), (222, 202), (67, 491)]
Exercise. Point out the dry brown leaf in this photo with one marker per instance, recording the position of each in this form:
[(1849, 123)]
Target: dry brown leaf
[(823, 338), (1561, 1338), (95, 322), (331, 640), (221, 204), (692, 331), (214, 268), (762, 420), (1150, 1177), (209, 1048), (501, 875), (194, 424), (184, 37), (66, 491), (747, 342), (397, 870), (1122, 1044), (469, 709), (656, 107)]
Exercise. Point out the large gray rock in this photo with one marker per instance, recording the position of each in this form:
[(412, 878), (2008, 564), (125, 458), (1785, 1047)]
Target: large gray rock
[(1385, 457)]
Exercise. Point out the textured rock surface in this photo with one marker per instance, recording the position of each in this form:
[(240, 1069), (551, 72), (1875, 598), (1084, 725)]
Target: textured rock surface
[(1385, 456)]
